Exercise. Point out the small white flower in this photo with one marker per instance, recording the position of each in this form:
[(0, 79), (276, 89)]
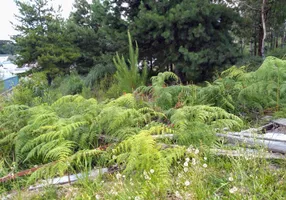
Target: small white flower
[(189, 150), (230, 179), (194, 161), (145, 173), (205, 165), (186, 164), (205, 158), (118, 176), (187, 183), (179, 175), (152, 171), (197, 151), (123, 176), (147, 177), (186, 169), (177, 194), (187, 159), (97, 196), (233, 189), (137, 198)]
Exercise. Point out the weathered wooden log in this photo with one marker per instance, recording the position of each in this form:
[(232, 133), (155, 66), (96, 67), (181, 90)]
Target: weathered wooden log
[(280, 122), (18, 174), (274, 146), (69, 178), (267, 136), (248, 153), (163, 136)]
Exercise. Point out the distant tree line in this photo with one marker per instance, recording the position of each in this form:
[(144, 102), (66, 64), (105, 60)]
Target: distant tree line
[(193, 38), (7, 47)]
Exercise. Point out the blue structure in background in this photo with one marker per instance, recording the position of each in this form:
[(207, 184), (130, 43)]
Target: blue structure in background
[(10, 82), (7, 82)]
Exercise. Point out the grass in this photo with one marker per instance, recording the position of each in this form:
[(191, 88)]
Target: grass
[(199, 175)]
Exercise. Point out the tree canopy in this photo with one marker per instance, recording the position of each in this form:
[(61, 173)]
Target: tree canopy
[(193, 38)]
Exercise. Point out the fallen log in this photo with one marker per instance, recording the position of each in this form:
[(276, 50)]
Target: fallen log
[(163, 136), (280, 122), (69, 178), (19, 174), (272, 136), (274, 146), (248, 153)]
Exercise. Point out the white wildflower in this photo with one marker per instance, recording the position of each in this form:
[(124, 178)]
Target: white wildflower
[(197, 151), (230, 179), (189, 150), (194, 161), (187, 159), (152, 171), (205, 165), (187, 183), (147, 177), (137, 198), (233, 190), (205, 158), (97, 196), (186, 164), (186, 169), (145, 173), (179, 175), (177, 194), (118, 175)]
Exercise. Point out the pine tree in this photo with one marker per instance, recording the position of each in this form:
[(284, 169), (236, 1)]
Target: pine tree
[(43, 37), (191, 38)]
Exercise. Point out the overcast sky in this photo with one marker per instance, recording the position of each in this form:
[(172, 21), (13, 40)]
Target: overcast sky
[(8, 9)]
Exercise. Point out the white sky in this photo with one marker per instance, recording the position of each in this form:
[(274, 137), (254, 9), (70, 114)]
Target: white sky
[(8, 9)]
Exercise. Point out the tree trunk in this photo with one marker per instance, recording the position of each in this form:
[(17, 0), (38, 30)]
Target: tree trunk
[(262, 32)]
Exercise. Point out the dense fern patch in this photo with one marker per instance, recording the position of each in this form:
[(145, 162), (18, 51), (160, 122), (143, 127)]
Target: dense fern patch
[(152, 136)]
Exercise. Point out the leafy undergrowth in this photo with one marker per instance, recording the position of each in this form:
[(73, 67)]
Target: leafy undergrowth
[(157, 139)]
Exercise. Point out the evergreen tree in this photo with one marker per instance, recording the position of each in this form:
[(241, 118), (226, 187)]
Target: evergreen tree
[(7, 47), (43, 37), (98, 32), (190, 37)]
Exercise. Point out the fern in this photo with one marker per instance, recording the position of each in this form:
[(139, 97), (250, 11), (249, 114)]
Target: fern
[(60, 167), (141, 153), (197, 124), (127, 74), (165, 96)]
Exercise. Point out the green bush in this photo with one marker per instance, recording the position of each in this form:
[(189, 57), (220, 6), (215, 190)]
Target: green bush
[(278, 53), (71, 84)]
